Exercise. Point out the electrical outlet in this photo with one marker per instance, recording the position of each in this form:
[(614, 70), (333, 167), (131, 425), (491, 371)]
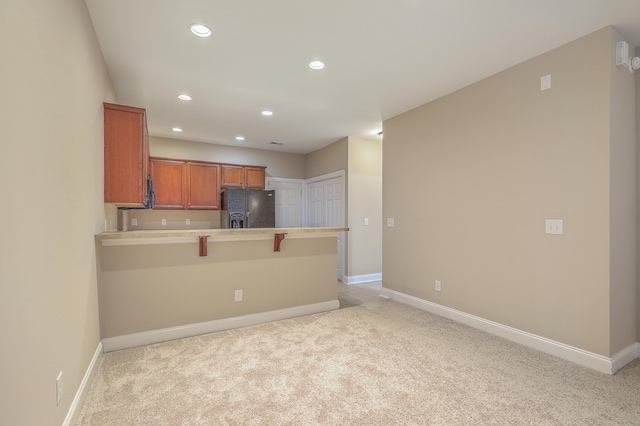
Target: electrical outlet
[(59, 389), (391, 222), (187, 221), (438, 285), (134, 222), (554, 226), (238, 297), (164, 221)]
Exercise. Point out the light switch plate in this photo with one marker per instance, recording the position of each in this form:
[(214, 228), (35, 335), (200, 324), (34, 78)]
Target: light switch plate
[(545, 82), (553, 226)]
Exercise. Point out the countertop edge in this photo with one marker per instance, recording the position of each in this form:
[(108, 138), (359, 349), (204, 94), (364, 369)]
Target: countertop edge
[(193, 235)]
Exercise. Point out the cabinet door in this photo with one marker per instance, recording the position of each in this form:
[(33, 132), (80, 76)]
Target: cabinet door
[(232, 176), (203, 190), (126, 154), (168, 183), (254, 177)]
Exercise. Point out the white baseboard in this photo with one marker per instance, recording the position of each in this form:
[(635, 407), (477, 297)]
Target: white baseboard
[(359, 279), (180, 332), (624, 357), (78, 400), (585, 358)]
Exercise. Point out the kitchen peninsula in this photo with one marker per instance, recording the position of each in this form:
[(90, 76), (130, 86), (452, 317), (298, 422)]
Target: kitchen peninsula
[(162, 285)]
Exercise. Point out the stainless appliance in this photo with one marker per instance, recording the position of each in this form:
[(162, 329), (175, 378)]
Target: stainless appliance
[(248, 208)]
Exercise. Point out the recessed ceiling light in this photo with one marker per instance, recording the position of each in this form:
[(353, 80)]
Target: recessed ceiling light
[(239, 138), (316, 65), (200, 30), (183, 97), (267, 112), (177, 129)]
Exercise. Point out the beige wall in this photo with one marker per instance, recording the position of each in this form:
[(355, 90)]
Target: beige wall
[(365, 201), (279, 164), (637, 74), (53, 82), (175, 219), (470, 179), (331, 158), (622, 187), (150, 287)]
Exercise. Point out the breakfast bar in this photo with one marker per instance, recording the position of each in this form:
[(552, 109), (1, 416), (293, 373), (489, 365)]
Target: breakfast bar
[(159, 285)]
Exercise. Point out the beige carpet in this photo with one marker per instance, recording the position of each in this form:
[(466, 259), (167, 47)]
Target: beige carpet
[(381, 363)]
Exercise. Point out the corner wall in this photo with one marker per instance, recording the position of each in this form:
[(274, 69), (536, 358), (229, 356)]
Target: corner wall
[(364, 201), (637, 74), (471, 177), (622, 141), (54, 81), (331, 158)]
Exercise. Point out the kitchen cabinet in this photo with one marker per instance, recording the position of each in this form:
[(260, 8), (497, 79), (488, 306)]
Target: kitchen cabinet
[(236, 176), (203, 186), (182, 184), (168, 177), (126, 155)]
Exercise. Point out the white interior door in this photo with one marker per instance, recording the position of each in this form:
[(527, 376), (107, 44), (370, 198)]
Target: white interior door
[(288, 202), (325, 207), (315, 204)]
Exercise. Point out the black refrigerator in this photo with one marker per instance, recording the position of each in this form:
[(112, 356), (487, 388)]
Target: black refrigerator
[(248, 208)]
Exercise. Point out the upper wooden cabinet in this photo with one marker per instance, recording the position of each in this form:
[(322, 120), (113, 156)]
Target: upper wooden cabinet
[(126, 155), (168, 177), (182, 184), (203, 186), (235, 176)]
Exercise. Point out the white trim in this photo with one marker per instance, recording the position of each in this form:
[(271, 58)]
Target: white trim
[(78, 400), (624, 357), (332, 175), (179, 332), (285, 180), (579, 356), (367, 278)]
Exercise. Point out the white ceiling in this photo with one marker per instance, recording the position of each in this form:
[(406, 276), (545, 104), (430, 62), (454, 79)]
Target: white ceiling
[(383, 57)]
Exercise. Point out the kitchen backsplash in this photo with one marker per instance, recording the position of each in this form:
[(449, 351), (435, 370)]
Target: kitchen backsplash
[(174, 219)]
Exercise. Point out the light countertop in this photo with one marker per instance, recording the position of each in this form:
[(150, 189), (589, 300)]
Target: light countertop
[(155, 236)]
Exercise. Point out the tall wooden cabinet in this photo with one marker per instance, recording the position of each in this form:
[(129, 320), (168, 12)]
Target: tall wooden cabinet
[(126, 155)]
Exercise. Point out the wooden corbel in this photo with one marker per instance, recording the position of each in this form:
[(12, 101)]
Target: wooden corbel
[(277, 239), (203, 245)]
